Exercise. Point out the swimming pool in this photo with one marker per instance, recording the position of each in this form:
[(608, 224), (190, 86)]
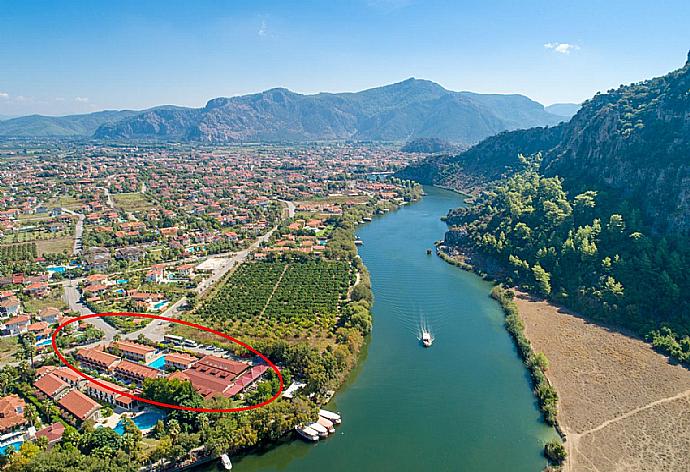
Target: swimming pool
[(57, 269), (158, 363), (122, 281), (15, 445), (144, 421), (159, 305), (44, 342)]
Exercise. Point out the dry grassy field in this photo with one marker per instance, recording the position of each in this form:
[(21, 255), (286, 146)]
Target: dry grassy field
[(622, 406)]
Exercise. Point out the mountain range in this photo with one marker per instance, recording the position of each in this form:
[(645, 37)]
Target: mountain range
[(630, 143), (398, 112)]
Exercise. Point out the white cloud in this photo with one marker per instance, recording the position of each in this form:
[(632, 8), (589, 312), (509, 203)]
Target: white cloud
[(81, 99), (263, 29), (59, 99), (562, 48), (4, 95)]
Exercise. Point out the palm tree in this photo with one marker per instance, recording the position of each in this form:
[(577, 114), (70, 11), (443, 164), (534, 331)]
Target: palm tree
[(31, 414), (28, 344)]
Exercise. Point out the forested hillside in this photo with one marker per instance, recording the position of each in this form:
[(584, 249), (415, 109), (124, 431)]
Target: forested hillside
[(632, 143), (597, 221), (584, 251)]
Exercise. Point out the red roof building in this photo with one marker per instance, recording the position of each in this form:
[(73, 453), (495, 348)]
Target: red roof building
[(133, 372), (53, 433), (97, 359), (212, 375), (50, 386), (11, 413), (79, 407)]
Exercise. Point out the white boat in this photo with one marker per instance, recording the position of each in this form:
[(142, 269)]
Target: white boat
[(226, 462), (329, 415), (328, 424), (358, 242), (322, 431), (427, 340), (307, 433)]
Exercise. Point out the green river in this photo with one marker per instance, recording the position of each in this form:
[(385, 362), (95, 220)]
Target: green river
[(462, 405)]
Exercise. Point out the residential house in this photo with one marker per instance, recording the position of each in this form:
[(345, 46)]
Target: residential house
[(52, 433), (16, 325), (11, 413), (131, 254), (39, 329), (37, 289), (78, 408), (10, 307), (185, 270), (155, 275), (49, 315), (97, 259)]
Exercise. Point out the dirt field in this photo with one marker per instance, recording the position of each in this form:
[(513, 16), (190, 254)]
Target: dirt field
[(131, 201), (622, 406)]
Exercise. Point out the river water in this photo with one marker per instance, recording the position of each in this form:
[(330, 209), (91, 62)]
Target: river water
[(462, 405)]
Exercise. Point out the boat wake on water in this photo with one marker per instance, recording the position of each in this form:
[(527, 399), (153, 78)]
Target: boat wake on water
[(425, 336)]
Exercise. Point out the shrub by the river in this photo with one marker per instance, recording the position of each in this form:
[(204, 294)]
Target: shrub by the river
[(555, 452), (536, 362)]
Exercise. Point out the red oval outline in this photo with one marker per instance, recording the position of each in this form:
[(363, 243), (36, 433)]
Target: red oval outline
[(157, 403)]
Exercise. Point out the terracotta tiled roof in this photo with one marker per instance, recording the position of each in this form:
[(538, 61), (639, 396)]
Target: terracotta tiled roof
[(53, 432), (78, 404), (97, 357), (11, 412), (137, 370), (180, 358), (128, 346), (50, 384)]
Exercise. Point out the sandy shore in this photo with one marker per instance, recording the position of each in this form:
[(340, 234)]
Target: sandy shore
[(622, 406)]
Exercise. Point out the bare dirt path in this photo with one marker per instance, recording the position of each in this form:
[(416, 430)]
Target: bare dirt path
[(275, 287), (622, 406)]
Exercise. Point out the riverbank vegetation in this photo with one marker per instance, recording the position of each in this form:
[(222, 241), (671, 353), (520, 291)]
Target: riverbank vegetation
[(536, 362), (589, 252)]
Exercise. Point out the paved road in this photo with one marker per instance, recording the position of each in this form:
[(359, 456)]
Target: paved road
[(78, 231), (290, 207), (73, 299), (155, 330), (238, 258)]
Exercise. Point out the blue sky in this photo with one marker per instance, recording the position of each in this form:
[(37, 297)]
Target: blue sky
[(60, 57)]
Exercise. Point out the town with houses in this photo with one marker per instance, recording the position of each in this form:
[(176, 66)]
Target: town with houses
[(165, 229)]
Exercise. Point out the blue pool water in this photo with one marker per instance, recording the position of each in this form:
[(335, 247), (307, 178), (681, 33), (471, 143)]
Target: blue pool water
[(144, 422), (43, 342), (59, 270), (160, 304), (15, 445), (158, 363), (122, 281)]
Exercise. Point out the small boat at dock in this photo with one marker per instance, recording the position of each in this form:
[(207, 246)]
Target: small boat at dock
[(358, 242), (328, 424), (307, 433), (321, 430), (329, 415), (366, 219), (225, 460)]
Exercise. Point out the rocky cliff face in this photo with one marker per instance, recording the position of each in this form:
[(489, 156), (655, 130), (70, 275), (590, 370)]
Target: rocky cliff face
[(631, 143)]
